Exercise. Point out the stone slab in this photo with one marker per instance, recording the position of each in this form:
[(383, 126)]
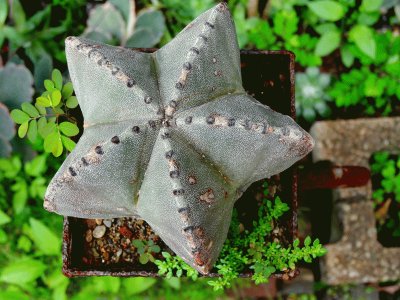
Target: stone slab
[(357, 257)]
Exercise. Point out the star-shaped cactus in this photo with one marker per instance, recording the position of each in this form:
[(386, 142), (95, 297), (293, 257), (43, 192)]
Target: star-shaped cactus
[(171, 137)]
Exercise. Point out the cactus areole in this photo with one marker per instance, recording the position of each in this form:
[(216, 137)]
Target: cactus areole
[(171, 137)]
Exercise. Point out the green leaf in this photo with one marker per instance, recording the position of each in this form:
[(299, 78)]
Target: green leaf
[(22, 130), (137, 285), (307, 241), (32, 131), (58, 110), (138, 243), (20, 196), (45, 239), (326, 27), (368, 19), (363, 37), (19, 116), (53, 144), (72, 102), (30, 109), (24, 243), (4, 218), (36, 166), (41, 109), (347, 56), (370, 5), (155, 248), (43, 101), (69, 129), (47, 128), (49, 85), (10, 167), (327, 10), (22, 271), (68, 143), (18, 14), (41, 123), (173, 282), (67, 90), (14, 294), (55, 97), (3, 12), (57, 79), (144, 258), (328, 42)]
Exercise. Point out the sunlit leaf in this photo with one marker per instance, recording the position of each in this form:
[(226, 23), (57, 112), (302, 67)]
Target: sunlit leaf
[(57, 79), (53, 144), (55, 97), (22, 130), (22, 271), (69, 129), (49, 85), (137, 285), (47, 129), (43, 101), (72, 102), (67, 90), (36, 166), (363, 37), (327, 10), (32, 131), (4, 218), (30, 109), (44, 238), (68, 143), (19, 116), (328, 42)]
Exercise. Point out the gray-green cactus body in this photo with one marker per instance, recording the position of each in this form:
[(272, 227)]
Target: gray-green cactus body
[(171, 137), (311, 94)]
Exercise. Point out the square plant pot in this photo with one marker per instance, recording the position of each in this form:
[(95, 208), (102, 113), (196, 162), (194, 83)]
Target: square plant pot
[(269, 77)]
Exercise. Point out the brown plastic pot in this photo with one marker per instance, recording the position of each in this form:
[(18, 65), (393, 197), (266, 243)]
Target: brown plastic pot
[(269, 77)]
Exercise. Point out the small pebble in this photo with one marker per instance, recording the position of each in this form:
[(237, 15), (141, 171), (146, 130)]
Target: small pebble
[(88, 236), (95, 253), (91, 223), (119, 252), (99, 221), (107, 222), (99, 231)]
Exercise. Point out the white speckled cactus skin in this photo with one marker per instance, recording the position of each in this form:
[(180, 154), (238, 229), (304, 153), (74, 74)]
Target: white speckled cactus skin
[(171, 137)]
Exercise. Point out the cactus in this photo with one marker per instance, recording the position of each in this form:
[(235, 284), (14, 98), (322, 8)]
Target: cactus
[(15, 88), (171, 137), (311, 94), (15, 85), (115, 22), (7, 131)]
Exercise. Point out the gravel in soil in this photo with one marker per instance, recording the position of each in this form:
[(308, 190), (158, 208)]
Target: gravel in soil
[(109, 241)]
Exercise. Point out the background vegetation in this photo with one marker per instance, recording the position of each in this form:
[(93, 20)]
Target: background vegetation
[(347, 64)]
